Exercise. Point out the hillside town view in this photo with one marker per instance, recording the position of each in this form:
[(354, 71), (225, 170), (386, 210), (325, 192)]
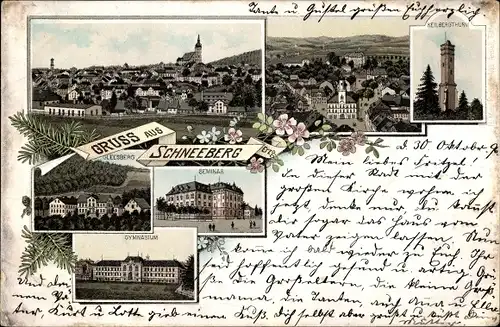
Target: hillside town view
[(359, 82), (189, 91)]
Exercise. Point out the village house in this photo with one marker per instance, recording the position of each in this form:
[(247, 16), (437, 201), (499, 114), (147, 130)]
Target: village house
[(62, 206), (138, 204), (73, 110), (94, 205)]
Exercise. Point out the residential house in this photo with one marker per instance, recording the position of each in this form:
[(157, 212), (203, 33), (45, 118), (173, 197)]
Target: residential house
[(138, 204), (387, 90), (249, 212), (62, 206), (41, 98), (73, 95)]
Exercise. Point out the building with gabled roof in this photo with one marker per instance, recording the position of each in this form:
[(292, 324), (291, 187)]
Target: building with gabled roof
[(133, 269), (94, 205), (138, 204), (222, 200)]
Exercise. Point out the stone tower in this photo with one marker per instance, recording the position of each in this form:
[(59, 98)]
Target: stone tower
[(51, 63), (198, 51), (447, 87)]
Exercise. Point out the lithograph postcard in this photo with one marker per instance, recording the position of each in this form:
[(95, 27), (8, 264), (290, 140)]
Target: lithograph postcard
[(244, 163)]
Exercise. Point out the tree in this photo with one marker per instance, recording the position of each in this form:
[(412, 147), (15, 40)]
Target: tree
[(161, 204), (427, 99), (333, 59), (351, 64), (476, 110), (227, 80), (186, 72), (463, 104), (271, 91), (187, 273), (112, 102), (132, 104), (368, 93), (239, 72), (373, 85), (248, 79), (203, 106), (351, 79), (365, 83), (192, 102)]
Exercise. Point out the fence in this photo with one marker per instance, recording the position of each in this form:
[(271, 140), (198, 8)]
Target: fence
[(184, 216)]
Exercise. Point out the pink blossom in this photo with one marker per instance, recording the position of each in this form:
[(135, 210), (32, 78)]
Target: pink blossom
[(299, 133), (255, 165), (358, 138), (346, 146), (284, 125), (233, 136)]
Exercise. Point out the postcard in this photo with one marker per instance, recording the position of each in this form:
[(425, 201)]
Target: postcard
[(232, 163)]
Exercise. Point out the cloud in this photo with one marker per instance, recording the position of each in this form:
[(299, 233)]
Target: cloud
[(469, 57), (87, 43)]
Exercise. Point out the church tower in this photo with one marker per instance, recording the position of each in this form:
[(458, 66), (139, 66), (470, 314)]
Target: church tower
[(197, 51), (51, 63), (447, 87)]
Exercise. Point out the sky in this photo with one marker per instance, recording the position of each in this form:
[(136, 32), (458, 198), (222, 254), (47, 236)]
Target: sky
[(469, 57), (252, 185), (83, 43), (178, 243), (337, 27)]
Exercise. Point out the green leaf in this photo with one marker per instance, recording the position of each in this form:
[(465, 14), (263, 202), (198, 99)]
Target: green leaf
[(369, 149), (317, 122), (256, 125), (294, 150), (276, 168), (270, 120), (307, 146), (326, 127), (321, 132), (279, 161), (269, 130), (261, 117), (375, 153), (301, 151), (329, 147), (324, 138), (379, 140), (323, 144), (263, 128)]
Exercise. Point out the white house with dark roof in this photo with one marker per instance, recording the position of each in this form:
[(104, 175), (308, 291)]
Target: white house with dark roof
[(62, 206), (138, 204)]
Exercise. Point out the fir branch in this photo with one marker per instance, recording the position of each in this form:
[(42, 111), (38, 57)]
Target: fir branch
[(43, 248), (46, 141)]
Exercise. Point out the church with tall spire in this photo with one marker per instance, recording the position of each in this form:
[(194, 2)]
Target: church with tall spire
[(193, 57)]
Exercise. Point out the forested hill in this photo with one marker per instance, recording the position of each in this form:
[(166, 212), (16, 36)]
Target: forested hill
[(77, 174), (251, 57)]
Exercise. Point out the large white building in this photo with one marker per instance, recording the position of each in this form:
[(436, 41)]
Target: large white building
[(132, 269), (73, 110), (341, 105), (62, 206), (94, 205)]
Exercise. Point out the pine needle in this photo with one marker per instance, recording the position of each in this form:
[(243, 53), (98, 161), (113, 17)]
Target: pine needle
[(44, 248), (47, 141)]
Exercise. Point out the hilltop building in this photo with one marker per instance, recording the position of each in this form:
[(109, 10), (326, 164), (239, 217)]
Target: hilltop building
[(196, 56)]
